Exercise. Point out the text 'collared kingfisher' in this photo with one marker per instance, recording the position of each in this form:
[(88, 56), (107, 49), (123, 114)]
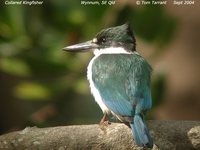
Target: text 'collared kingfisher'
[(119, 79)]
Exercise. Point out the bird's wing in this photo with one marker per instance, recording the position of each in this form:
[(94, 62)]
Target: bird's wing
[(121, 82)]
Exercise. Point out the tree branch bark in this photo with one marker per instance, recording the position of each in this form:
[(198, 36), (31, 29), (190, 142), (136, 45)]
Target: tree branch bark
[(167, 135)]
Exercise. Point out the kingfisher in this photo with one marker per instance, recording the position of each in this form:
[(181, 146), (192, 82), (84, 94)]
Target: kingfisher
[(119, 79)]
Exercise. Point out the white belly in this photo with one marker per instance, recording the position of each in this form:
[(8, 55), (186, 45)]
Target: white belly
[(94, 90)]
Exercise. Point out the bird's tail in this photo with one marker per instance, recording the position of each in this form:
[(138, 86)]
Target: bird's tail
[(140, 132)]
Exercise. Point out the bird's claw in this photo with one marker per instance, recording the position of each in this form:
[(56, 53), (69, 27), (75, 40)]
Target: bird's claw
[(104, 121)]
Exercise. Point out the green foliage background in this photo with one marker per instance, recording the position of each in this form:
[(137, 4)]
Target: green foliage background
[(44, 86)]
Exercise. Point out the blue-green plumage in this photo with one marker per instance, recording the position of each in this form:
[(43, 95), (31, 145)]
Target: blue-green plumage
[(123, 78), (120, 79)]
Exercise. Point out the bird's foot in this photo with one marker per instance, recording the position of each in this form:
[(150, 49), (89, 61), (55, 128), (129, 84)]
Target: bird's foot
[(104, 121)]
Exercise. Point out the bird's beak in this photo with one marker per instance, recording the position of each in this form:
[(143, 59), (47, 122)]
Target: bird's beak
[(81, 47)]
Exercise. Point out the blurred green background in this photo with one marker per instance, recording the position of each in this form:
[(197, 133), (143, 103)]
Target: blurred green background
[(42, 85)]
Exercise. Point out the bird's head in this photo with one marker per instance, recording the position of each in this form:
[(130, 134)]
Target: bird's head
[(108, 40)]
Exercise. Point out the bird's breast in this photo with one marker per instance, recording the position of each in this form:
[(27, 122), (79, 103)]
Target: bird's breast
[(94, 90)]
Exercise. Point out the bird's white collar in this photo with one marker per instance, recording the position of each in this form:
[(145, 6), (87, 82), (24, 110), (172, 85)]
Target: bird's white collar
[(111, 50)]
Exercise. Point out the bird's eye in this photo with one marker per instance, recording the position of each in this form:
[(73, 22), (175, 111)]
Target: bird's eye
[(102, 40)]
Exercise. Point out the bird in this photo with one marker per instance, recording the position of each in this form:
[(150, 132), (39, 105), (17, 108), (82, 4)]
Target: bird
[(119, 79)]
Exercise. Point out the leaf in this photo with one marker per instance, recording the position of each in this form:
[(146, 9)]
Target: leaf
[(14, 66), (31, 91)]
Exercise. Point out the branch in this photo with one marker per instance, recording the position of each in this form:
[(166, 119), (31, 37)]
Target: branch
[(167, 135)]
